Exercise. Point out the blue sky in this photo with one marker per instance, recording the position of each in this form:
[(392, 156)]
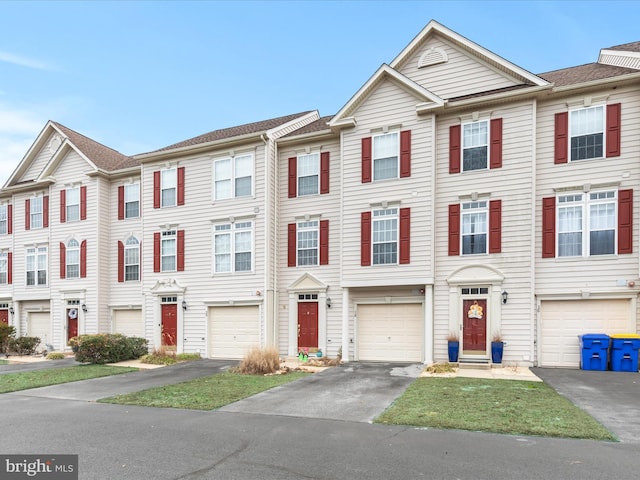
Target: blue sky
[(137, 76)]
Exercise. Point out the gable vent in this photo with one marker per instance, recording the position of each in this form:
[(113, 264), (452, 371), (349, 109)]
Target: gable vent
[(433, 56)]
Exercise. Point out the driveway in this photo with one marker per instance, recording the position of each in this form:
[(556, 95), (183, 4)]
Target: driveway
[(356, 392), (612, 398)]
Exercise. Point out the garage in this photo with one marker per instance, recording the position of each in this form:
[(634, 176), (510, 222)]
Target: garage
[(39, 325), (390, 332), (129, 323), (562, 321), (233, 330)]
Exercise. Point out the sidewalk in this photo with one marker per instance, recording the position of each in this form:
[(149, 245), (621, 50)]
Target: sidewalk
[(495, 373)]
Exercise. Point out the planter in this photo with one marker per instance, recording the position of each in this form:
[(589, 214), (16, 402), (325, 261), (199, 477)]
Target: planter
[(496, 351), (453, 349)]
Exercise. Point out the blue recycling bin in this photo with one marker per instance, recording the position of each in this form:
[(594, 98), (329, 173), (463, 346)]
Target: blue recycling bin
[(594, 351), (624, 352)]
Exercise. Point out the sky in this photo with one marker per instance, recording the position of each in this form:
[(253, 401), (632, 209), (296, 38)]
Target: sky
[(140, 75)]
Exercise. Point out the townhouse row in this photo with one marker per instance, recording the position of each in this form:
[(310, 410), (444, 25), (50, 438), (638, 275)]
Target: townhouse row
[(454, 193)]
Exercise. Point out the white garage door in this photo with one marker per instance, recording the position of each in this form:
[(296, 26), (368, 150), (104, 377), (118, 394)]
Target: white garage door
[(390, 332), (39, 325), (233, 331), (563, 320), (129, 323)]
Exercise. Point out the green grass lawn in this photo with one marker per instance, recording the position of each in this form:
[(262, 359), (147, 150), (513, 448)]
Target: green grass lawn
[(13, 382), (205, 393), (3, 362), (498, 406)]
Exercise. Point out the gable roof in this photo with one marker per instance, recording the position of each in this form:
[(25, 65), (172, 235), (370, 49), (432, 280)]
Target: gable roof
[(584, 73)]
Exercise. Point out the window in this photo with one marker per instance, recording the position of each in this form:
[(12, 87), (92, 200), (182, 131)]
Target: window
[(4, 219), (131, 259), (233, 247), (385, 156), (168, 251), (385, 236), (475, 145), (594, 213), (36, 212), (474, 228), (168, 187), (587, 133), (132, 200), (4, 268), (37, 266), (73, 259), (308, 174), (308, 242), (233, 177), (72, 199)]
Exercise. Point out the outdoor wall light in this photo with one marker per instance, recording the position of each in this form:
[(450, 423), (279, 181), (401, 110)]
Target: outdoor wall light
[(328, 302), (84, 307), (505, 296), (12, 311), (184, 305)]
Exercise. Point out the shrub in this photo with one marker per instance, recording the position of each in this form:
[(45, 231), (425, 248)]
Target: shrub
[(107, 348), (55, 356), (154, 359), (187, 357), (24, 345), (6, 333), (260, 361)]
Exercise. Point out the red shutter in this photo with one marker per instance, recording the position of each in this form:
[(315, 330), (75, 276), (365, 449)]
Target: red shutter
[(293, 177), (291, 245), (625, 221), (495, 226), (83, 259), (121, 202), (561, 138), (180, 260), (83, 203), (455, 133), (27, 214), (324, 172), (45, 211), (454, 229), (180, 185), (120, 261), (9, 219), (156, 189), (549, 227), (324, 242), (366, 160), (405, 153), (9, 268), (613, 130), (365, 239), (405, 235), (63, 260), (63, 206), (495, 155), (156, 251)]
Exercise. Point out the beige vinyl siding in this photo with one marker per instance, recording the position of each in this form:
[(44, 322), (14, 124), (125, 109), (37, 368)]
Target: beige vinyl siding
[(413, 192), (462, 74), (39, 163), (512, 184), (597, 273)]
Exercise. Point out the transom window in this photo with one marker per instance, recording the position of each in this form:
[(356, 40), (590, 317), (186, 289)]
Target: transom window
[(475, 291), (385, 236), (4, 268), (72, 199), (132, 200), (308, 174), (168, 251), (168, 299), (73, 259), (385, 156), (131, 259), (36, 263), (307, 296), (233, 177), (475, 143), (587, 133), (4, 219), (168, 187), (233, 247), (595, 213), (35, 211), (308, 244), (474, 228)]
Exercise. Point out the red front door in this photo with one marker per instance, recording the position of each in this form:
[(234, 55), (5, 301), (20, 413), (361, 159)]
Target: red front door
[(308, 325), (474, 326), (72, 323), (169, 324), (4, 316)]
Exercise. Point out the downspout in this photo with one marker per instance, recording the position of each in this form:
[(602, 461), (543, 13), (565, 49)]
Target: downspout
[(269, 274), (345, 291), (429, 290), (534, 314)]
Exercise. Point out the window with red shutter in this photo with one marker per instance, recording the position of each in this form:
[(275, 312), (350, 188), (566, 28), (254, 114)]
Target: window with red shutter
[(324, 242), (27, 214), (625, 221), (156, 251), (454, 229), (121, 202), (10, 268), (291, 245), (10, 219), (365, 239), (405, 153), (613, 130), (63, 260), (45, 211), (120, 261), (180, 251), (83, 203), (366, 160), (405, 236), (495, 226), (63, 206), (181, 185), (495, 155), (549, 227), (561, 144), (156, 189), (455, 137), (324, 173), (293, 177)]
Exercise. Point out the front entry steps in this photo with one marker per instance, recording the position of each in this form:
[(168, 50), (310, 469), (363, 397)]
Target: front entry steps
[(474, 365)]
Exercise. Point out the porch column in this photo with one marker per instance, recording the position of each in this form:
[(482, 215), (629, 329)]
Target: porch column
[(428, 324), (345, 324)]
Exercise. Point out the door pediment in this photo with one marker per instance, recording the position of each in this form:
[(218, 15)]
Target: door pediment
[(476, 274), (308, 282)]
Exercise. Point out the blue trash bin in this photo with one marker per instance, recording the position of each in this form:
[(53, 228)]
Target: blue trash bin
[(624, 352), (594, 351)]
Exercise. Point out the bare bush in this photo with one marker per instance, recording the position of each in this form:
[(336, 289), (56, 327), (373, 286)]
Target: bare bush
[(260, 361)]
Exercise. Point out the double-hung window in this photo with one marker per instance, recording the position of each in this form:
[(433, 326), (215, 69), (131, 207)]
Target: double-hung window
[(474, 228), (385, 236), (308, 174), (475, 145), (168, 251), (36, 212), (233, 177), (587, 133), (4, 268), (131, 259), (132, 200), (385, 156), (4, 219), (587, 224), (73, 259), (36, 264), (233, 247), (308, 244), (168, 187), (72, 199)]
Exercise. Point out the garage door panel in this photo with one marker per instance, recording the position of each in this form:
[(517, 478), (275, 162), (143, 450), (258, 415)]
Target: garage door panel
[(129, 323), (233, 331), (39, 325)]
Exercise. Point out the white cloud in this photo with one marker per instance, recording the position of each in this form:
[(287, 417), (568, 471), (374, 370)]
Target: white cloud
[(23, 61)]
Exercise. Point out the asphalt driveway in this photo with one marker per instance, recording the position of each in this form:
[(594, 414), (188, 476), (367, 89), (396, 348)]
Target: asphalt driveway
[(612, 398)]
